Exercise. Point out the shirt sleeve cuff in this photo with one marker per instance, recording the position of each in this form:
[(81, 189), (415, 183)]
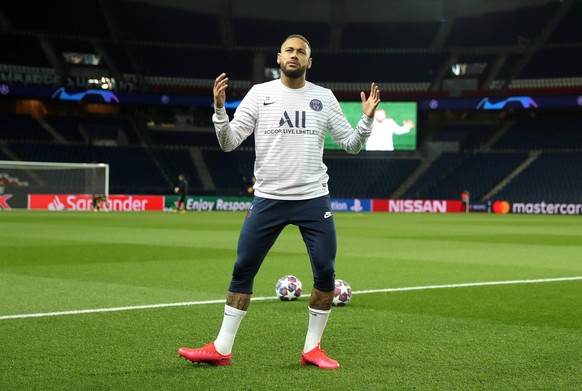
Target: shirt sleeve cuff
[(367, 120), (220, 113)]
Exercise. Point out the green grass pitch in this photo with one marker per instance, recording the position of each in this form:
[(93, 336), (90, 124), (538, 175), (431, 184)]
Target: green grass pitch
[(514, 336)]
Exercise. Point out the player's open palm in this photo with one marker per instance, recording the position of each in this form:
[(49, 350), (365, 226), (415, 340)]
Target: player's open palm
[(369, 105)]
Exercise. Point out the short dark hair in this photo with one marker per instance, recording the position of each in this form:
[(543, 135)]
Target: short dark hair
[(301, 37)]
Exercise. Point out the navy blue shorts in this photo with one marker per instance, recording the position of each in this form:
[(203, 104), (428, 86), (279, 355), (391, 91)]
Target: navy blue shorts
[(263, 224)]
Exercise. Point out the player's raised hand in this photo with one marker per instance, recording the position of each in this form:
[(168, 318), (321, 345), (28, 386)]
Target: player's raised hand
[(219, 90), (369, 105)]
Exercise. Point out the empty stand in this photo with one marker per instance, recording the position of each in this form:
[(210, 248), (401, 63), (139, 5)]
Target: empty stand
[(259, 32), (194, 63), (231, 172), (183, 138), (76, 18), (386, 67), (542, 133), (143, 21), (553, 178), (503, 28), (22, 127), (568, 30), (23, 51), (174, 162), (366, 35), (453, 172), (551, 63), (470, 135), (367, 177)]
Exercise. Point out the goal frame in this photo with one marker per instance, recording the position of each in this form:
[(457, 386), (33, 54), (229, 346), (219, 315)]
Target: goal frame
[(23, 164)]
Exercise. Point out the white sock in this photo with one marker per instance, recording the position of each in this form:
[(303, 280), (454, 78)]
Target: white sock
[(230, 323), (317, 322)]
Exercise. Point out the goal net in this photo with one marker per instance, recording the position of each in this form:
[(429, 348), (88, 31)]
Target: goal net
[(22, 178)]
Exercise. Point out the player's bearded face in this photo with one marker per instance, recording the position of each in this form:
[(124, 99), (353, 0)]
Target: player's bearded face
[(294, 58)]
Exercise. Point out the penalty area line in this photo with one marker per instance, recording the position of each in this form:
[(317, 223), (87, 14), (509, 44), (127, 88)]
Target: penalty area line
[(191, 303)]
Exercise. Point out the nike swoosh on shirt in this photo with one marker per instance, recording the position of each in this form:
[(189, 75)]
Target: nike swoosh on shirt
[(268, 103)]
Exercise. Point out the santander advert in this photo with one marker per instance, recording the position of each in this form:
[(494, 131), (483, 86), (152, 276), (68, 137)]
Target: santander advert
[(83, 202)]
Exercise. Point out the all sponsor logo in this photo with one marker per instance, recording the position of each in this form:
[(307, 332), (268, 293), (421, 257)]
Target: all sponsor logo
[(299, 120)]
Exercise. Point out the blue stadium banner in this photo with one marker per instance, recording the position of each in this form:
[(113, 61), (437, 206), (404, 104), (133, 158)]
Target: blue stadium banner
[(501, 103), (351, 205)]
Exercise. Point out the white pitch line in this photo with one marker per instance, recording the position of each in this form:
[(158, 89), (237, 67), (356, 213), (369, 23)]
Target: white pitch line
[(387, 290), (470, 284)]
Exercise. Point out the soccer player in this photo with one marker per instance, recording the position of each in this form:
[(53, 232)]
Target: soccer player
[(465, 200), (99, 200), (289, 118), (182, 191)]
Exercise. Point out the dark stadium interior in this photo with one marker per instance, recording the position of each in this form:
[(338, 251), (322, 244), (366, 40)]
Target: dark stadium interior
[(177, 48)]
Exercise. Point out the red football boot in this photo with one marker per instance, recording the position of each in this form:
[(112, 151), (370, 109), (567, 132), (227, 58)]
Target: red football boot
[(206, 354), (316, 356)]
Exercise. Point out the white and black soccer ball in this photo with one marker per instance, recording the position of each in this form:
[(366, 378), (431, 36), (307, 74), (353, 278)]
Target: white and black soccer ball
[(288, 288), (342, 294)]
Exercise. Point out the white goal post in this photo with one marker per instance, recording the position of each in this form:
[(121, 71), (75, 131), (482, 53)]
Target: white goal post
[(26, 177)]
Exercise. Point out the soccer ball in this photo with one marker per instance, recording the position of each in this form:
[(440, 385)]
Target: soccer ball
[(342, 294), (176, 189), (288, 288)]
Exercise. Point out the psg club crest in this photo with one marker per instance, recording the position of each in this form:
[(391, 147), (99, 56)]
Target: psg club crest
[(316, 105)]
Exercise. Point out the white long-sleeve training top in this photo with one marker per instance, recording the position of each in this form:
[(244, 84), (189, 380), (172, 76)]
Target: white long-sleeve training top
[(289, 127)]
